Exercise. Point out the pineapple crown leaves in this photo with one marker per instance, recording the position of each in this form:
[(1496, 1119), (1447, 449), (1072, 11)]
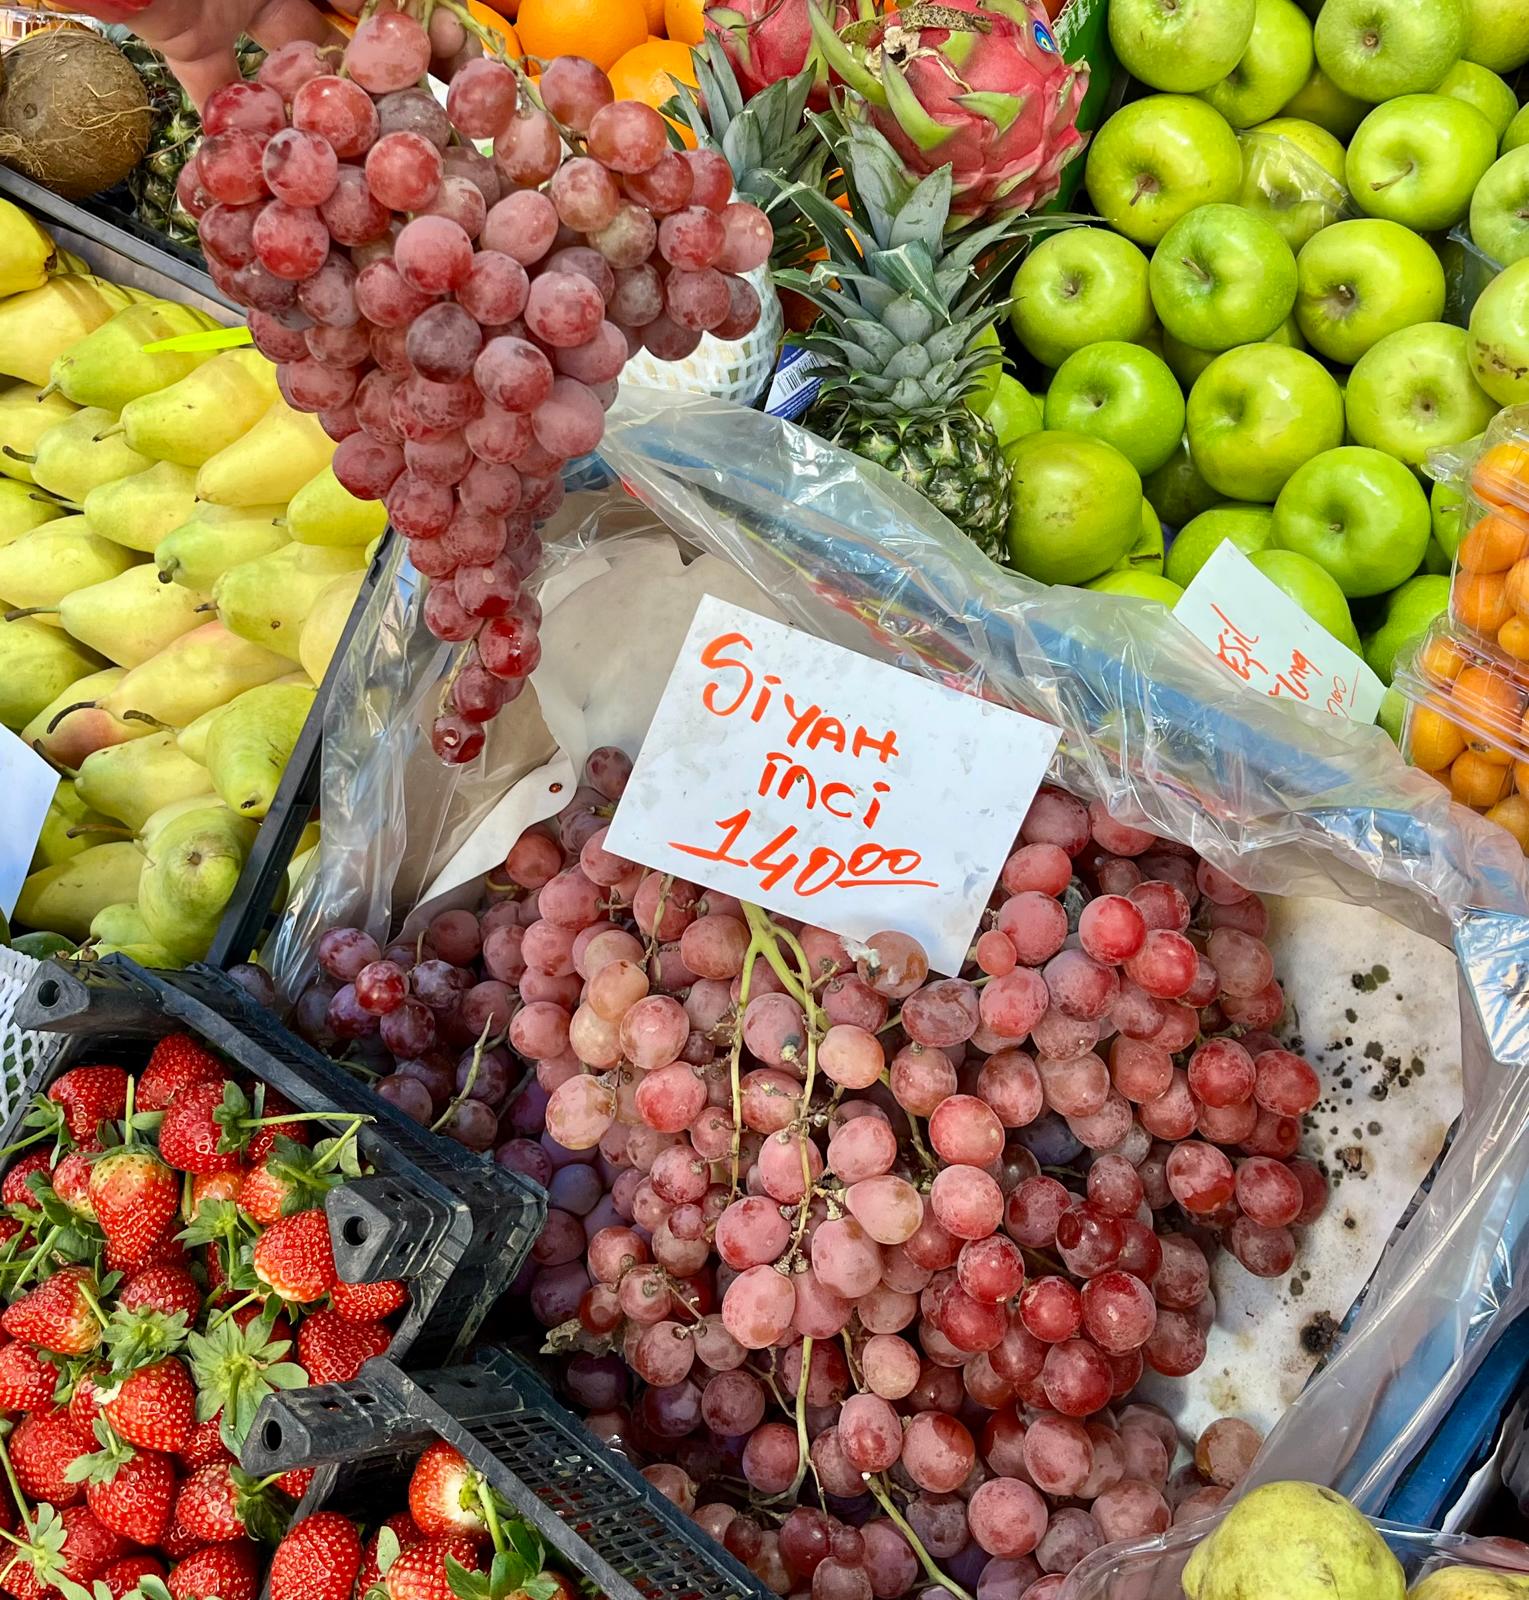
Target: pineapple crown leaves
[(139, 1338), (236, 1368)]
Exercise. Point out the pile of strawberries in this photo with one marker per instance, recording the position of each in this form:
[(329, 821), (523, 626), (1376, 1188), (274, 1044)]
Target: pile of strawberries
[(165, 1263), (457, 1541)]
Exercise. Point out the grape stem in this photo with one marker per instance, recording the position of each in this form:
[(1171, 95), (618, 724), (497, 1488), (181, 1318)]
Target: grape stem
[(924, 1156), (803, 1448), (903, 1526), (467, 1088), (733, 1068)]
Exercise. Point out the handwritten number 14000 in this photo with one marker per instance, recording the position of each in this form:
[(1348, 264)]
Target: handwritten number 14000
[(822, 869)]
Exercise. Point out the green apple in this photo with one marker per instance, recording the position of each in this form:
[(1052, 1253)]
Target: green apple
[(1392, 715), (1222, 276), (1495, 34), (1517, 134), (1075, 506), (1292, 176), (1359, 514), (1188, 363), (1176, 491), (1013, 412), (1313, 590), (1258, 413), (1180, 45), (1447, 505), (1478, 87), (1146, 555), (1157, 159), (1409, 610), (1143, 585), (1277, 61), (1414, 391), (1378, 49), (1248, 527), (980, 396), (1500, 208), (1361, 280), (1416, 160), (1076, 288), (1122, 394), (1321, 101), (1499, 331)]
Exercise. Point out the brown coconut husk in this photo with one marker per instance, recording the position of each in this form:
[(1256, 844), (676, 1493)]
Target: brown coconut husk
[(74, 114)]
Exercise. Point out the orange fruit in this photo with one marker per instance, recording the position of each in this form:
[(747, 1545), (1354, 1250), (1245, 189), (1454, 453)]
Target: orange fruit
[(1475, 781), (1480, 599), (600, 30), (1521, 776), (1513, 636), (645, 74), (490, 19), (1501, 474), (654, 10), (1488, 707), (1493, 545), (1513, 814), (1441, 660), (1433, 741), (1516, 587), (682, 20)]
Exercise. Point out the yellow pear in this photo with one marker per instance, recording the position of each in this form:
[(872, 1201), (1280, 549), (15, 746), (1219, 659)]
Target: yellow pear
[(109, 367), (216, 538), (22, 508), (132, 616), (69, 829), (72, 726), (268, 600), (270, 463), (325, 623), (202, 669), (191, 421), (26, 251), (36, 664), (42, 566), (39, 325), (138, 511), (154, 825), (120, 930), (132, 781), (190, 873), (1470, 1583), (249, 742), (77, 454), (26, 414), (66, 897), (324, 511), (67, 261)]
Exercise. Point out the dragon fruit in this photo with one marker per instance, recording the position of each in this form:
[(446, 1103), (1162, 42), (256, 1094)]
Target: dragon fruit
[(981, 89), (766, 40)]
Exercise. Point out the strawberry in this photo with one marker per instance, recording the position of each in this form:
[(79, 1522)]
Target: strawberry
[(263, 1140), (59, 1314), (85, 1402), (130, 1491), (43, 1448), (293, 1257), (205, 1447), (368, 1302), (295, 1484), (279, 1328), (177, 1543), (27, 1378), (419, 1573), (124, 1576), (90, 1096), (71, 1183), (444, 1493), (319, 1560), (262, 1192), (404, 1529), (154, 1407), (222, 1185), (14, 1189), (135, 1196), (69, 1544), (236, 1368), (334, 1349), (165, 1289), (176, 1062), (229, 1571), (215, 1504), (189, 1137)]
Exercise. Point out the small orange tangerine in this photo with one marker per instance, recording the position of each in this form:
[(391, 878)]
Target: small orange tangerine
[(682, 20), (1433, 741), (1441, 660), (1513, 636), (1480, 600), (646, 73), (600, 30), (1493, 545), (1475, 781), (1486, 702), (1501, 474), (1516, 587), (1513, 814), (1521, 776)]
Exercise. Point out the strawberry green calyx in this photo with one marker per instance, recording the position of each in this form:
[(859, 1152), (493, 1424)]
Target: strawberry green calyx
[(236, 1368)]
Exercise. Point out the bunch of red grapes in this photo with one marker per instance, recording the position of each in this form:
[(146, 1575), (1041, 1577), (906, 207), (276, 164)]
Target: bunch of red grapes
[(458, 323), (891, 1250)]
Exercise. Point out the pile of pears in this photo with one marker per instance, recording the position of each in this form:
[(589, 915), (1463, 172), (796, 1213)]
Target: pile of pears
[(177, 564)]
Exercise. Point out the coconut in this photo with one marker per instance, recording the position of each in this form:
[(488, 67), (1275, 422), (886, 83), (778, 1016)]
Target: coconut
[(74, 114)]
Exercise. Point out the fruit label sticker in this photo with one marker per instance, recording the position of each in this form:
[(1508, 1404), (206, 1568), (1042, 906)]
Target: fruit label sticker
[(800, 776), (1262, 636), (27, 782)]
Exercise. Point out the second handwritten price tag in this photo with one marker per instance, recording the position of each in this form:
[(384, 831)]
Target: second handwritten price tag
[(1262, 636), (797, 775)]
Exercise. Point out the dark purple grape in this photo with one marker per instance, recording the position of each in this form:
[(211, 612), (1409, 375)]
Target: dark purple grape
[(527, 1156), (439, 984), (496, 1077), (403, 954), (256, 983), (342, 952), (489, 1005), (310, 1016), (576, 1189), (409, 1095), (607, 770), (455, 935), (409, 1029), (435, 1073), (472, 1123), (347, 1018)]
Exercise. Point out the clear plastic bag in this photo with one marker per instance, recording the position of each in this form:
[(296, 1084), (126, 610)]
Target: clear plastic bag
[(1286, 798)]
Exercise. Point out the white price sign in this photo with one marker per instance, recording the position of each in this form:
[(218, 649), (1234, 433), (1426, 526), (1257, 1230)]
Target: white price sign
[(1262, 636), (27, 782), (795, 774)]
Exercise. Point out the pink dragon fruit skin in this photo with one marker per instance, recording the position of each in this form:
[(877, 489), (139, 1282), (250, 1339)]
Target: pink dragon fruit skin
[(991, 98), (766, 40)]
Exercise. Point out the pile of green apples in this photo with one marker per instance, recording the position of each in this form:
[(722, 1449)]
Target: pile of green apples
[(1253, 345)]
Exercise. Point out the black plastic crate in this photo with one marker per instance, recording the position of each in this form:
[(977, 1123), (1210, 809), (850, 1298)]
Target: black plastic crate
[(457, 1228), (589, 1505)]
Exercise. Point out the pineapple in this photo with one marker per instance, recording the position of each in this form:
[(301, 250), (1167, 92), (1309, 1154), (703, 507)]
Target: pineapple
[(903, 305)]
